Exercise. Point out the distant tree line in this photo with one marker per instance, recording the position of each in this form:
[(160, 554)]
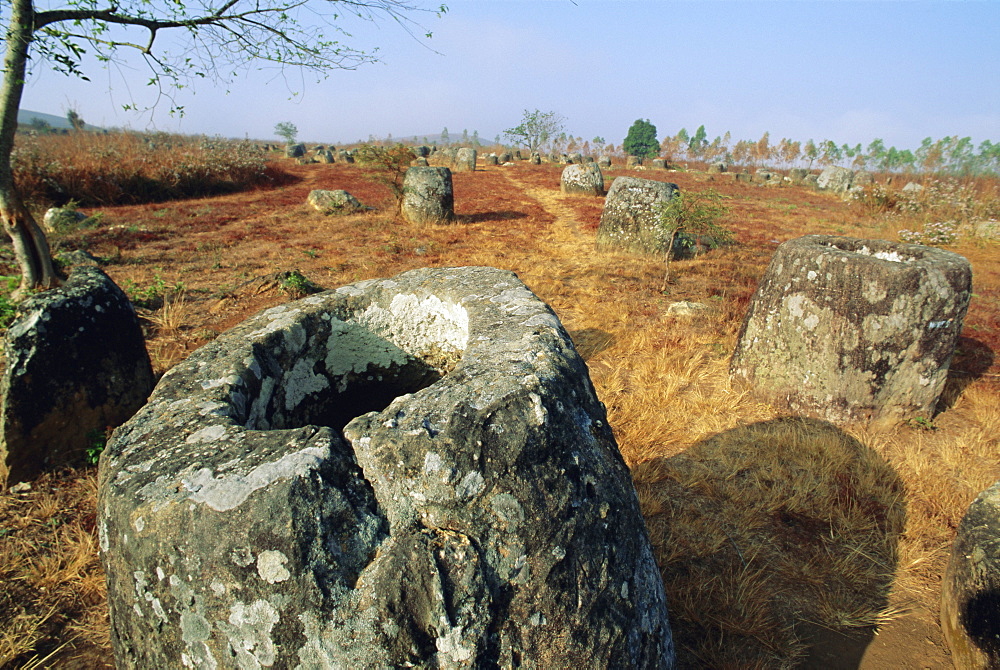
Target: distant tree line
[(953, 154)]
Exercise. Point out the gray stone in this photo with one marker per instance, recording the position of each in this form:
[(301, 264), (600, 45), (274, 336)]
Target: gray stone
[(835, 178), (744, 177), (421, 151), (912, 188), (473, 512), (58, 219), (78, 257), (576, 158), (465, 160), (419, 162), (76, 364), (633, 162), (535, 159), (506, 157), (630, 219), (811, 180), (768, 178), (970, 592), (861, 179), (326, 156), (685, 308), (344, 156), (717, 167), (852, 330), (334, 202), (604, 162), (586, 179), (492, 159), (659, 164), (295, 150), (428, 196), (798, 175)]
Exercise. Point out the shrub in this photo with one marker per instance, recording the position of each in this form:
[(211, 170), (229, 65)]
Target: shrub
[(133, 168), (691, 213)]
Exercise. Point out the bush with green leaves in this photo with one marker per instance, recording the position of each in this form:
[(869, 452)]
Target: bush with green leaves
[(641, 140), (387, 166), (287, 131), (687, 217)]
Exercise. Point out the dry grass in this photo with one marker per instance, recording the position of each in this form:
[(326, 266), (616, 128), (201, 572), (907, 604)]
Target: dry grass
[(765, 526)]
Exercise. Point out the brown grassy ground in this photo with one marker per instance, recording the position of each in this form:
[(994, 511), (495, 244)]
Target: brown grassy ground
[(782, 542)]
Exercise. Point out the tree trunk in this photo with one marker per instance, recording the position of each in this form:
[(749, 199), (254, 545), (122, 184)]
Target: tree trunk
[(30, 245)]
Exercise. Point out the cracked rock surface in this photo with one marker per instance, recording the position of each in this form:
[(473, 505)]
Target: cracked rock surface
[(410, 472), (846, 329)]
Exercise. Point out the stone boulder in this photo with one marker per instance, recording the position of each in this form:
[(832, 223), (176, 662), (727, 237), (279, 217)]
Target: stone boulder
[(334, 202), (630, 219), (465, 160), (535, 159), (76, 365), (428, 196), (576, 158), (585, 179), (326, 156), (492, 159), (421, 151), (295, 150), (58, 219), (633, 162), (419, 162), (717, 167), (659, 164), (970, 593), (853, 330), (835, 178), (797, 175), (345, 156), (506, 157), (473, 512), (604, 162)]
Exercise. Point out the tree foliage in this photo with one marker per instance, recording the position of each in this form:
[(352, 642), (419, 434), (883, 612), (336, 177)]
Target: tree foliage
[(286, 130), (641, 140), (536, 129)]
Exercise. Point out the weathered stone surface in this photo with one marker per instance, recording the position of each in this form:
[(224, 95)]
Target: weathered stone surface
[(835, 178), (912, 188), (633, 162), (686, 308), (659, 164), (585, 179), (326, 156), (536, 159), (478, 513), (76, 363), (421, 151), (428, 196), (419, 162), (465, 160), (850, 330), (60, 218), (492, 159), (506, 157), (295, 150), (630, 219), (717, 167), (576, 158), (797, 175), (604, 162), (970, 593), (334, 202), (345, 156)]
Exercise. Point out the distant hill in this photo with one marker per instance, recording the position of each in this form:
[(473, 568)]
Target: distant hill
[(26, 116)]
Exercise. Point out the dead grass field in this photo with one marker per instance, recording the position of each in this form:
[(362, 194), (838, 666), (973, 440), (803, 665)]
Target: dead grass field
[(783, 542)]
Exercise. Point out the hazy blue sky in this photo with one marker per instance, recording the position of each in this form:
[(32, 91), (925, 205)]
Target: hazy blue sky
[(846, 71)]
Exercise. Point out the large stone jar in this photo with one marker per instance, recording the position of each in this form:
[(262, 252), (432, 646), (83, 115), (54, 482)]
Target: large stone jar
[(850, 330), (410, 472)]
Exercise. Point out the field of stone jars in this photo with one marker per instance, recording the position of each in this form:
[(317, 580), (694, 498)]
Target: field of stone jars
[(801, 497)]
